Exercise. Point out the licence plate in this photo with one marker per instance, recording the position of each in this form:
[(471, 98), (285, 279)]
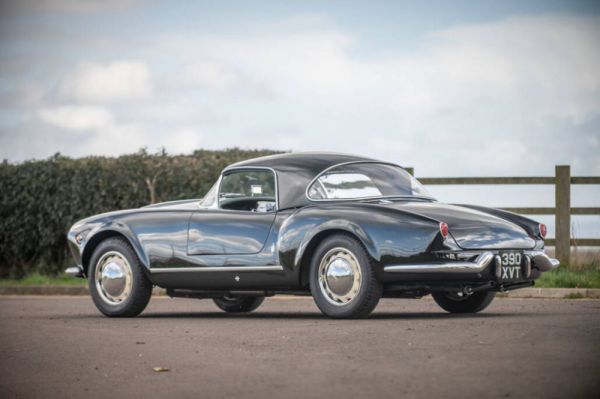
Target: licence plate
[(511, 265)]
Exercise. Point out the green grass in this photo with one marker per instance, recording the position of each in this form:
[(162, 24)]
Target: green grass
[(565, 278), (40, 279)]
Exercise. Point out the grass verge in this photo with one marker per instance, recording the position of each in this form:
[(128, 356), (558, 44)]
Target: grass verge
[(565, 278), (40, 279)]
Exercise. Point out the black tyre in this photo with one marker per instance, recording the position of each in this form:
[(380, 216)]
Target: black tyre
[(342, 278), (239, 304), (117, 281), (455, 303)]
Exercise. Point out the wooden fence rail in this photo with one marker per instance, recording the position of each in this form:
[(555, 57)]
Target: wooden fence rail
[(562, 211)]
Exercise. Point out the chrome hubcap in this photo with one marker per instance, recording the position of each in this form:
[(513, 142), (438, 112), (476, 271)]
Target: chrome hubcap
[(339, 276), (113, 277)]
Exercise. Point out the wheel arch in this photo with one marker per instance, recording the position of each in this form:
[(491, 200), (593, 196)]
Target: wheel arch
[(309, 250), (103, 235)]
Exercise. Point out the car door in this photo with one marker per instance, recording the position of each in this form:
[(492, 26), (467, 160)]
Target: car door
[(240, 221)]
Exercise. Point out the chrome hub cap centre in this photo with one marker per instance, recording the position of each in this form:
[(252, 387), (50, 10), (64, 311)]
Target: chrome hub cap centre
[(339, 276), (113, 277)]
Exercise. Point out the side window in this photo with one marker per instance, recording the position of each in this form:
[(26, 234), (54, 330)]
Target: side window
[(248, 190)]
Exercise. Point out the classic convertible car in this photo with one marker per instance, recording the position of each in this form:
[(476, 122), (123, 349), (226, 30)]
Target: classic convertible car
[(345, 229)]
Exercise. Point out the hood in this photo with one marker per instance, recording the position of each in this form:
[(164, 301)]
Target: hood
[(180, 204), (470, 228)]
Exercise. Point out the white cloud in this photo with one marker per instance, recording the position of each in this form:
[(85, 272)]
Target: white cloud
[(71, 6), (220, 78), (76, 117), (114, 82), (114, 139), (484, 98), (521, 93), (209, 75)]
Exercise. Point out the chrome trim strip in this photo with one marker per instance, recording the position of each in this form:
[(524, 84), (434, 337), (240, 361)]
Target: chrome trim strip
[(482, 261), (201, 269)]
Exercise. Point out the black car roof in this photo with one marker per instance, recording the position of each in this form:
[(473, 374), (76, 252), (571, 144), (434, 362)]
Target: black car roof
[(296, 170), (315, 162)]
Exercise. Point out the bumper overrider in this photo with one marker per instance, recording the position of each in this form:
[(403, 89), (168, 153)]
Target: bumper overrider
[(533, 260)]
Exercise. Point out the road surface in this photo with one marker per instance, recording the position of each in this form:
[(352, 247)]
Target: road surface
[(61, 347)]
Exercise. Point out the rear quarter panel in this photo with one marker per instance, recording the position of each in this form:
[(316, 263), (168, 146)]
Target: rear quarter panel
[(389, 235)]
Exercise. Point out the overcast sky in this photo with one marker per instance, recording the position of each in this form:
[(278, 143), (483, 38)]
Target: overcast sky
[(451, 88)]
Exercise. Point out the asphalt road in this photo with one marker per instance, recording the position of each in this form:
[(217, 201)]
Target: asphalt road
[(62, 347)]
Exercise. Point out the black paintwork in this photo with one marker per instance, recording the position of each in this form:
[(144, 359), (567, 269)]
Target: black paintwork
[(180, 234)]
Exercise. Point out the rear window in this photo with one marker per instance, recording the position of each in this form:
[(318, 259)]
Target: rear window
[(365, 180)]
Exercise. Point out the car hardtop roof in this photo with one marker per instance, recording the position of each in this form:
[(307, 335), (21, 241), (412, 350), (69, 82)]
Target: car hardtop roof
[(296, 170), (312, 162)]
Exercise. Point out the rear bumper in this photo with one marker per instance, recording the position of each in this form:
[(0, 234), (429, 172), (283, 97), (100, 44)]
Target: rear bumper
[(544, 263), (536, 260)]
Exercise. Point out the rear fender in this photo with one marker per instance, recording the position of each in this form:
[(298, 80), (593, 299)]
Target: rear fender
[(385, 233)]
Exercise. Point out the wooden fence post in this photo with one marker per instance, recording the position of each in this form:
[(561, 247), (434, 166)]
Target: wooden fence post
[(563, 213)]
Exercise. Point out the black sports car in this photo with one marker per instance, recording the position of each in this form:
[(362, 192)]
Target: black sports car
[(345, 229)]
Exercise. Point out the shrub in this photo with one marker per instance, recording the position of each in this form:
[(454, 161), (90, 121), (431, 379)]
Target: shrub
[(40, 200)]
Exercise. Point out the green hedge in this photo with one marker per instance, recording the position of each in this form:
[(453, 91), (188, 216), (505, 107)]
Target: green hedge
[(40, 200)]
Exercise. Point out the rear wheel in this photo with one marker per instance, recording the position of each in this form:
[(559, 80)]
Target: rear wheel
[(463, 303), (239, 304), (342, 278), (117, 282)]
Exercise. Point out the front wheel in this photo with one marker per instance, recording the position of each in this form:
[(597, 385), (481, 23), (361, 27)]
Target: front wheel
[(342, 278), (239, 304), (117, 282), (463, 303)]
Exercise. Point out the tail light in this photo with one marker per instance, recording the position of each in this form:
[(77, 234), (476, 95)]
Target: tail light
[(444, 229), (543, 230)]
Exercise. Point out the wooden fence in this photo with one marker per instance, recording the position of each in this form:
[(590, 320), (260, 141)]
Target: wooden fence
[(562, 211)]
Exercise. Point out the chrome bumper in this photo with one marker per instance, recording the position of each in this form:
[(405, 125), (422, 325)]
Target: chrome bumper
[(74, 271), (538, 259), (543, 262)]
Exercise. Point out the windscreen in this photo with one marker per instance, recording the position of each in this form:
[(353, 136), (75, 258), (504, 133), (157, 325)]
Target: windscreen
[(366, 180)]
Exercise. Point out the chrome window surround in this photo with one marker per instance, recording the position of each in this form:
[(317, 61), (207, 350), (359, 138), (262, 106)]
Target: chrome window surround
[(216, 204), (358, 198), (249, 168)]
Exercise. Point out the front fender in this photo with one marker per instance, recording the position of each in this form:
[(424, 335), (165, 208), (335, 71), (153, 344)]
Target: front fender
[(97, 232)]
